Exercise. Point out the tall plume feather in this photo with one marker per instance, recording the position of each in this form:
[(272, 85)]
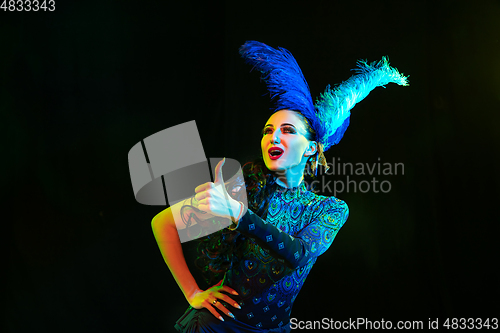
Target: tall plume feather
[(329, 116), (334, 105), (284, 78)]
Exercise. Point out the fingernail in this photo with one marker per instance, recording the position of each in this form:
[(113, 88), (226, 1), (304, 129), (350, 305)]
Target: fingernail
[(236, 305), (235, 293), (221, 318), (230, 315)]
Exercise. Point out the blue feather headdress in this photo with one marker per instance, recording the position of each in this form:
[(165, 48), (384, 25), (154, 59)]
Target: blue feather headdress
[(329, 116)]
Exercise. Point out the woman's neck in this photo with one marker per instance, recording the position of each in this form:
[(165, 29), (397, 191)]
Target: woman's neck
[(289, 181)]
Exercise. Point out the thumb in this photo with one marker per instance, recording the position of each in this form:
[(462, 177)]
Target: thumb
[(218, 172)]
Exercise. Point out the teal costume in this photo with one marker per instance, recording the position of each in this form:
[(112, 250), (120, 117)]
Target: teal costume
[(279, 253)]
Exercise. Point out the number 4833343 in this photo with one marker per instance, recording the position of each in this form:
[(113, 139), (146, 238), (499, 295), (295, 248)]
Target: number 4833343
[(28, 5)]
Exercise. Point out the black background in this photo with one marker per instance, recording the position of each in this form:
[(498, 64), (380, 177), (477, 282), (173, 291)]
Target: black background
[(81, 85)]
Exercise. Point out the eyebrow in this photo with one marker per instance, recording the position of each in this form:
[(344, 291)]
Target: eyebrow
[(284, 124)]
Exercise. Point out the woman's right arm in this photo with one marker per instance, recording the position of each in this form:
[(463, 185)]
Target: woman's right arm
[(167, 237)]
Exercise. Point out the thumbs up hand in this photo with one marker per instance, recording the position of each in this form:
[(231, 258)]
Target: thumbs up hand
[(213, 198)]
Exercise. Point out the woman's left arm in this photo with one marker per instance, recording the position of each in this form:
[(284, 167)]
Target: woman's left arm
[(311, 242)]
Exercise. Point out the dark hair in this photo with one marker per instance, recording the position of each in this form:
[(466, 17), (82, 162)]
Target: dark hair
[(216, 252)]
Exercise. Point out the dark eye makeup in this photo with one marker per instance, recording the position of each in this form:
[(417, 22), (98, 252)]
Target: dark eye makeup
[(284, 129)]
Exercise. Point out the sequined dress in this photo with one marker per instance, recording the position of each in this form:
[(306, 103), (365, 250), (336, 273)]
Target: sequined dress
[(279, 253)]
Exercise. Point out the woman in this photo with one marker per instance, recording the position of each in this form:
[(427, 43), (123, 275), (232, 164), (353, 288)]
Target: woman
[(273, 243)]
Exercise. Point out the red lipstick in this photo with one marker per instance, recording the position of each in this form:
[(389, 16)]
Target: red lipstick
[(275, 153)]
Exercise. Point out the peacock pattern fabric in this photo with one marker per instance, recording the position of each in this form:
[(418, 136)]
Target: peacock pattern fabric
[(279, 252)]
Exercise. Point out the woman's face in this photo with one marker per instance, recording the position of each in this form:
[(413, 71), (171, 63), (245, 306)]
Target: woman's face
[(284, 143)]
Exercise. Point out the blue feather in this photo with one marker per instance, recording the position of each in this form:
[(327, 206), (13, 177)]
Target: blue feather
[(329, 116), (334, 105), (284, 78)]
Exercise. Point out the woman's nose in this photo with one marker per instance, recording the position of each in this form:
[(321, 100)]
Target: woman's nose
[(275, 138)]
